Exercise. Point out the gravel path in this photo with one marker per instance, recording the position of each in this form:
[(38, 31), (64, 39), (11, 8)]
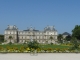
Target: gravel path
[(40, 56)]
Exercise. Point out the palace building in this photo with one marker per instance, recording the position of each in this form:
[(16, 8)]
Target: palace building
[(48, 35)]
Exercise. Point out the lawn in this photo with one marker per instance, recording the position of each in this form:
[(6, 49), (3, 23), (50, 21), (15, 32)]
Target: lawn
[(41, 46), (54, 46), (12, 45)]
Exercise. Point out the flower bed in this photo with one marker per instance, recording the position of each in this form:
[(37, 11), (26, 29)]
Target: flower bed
[(39, 50)]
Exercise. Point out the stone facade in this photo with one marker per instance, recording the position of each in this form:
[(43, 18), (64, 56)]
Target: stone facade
[(25, 35)]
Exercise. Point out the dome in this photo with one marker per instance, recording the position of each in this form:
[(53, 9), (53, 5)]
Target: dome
[(11, 27), (49, 28)]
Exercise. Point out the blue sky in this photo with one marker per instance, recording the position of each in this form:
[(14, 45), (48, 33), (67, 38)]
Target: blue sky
[(63, 14)]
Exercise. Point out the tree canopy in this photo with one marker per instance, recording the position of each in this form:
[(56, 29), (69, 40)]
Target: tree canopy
[(33, 44), (10, 37), (76, 32), (68, 38), (51, 37), (60, 37), (1, 38), (75, 43)]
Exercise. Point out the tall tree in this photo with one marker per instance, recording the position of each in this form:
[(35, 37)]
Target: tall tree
[(33, 44), (1, 38), (10, 37), (51, 38), (75, 43), (68, 38), (60, 37), (76, 32)]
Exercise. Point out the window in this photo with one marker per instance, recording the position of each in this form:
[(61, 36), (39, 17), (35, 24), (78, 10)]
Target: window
[(37, 37), (23, 37), (5, 32), (40, 37), (20, 32), (23, 32), (40, 33), (8, 32), (37, 33), (11, 32)]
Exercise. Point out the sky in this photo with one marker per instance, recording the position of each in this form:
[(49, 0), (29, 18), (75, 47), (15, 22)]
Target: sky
[(63, 14)]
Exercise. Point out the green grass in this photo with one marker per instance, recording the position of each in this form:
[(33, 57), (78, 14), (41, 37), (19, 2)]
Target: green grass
[(18, 46), (54, 46), (41, 46)]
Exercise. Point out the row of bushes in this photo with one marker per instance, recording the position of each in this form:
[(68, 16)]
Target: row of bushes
[(39, 50)]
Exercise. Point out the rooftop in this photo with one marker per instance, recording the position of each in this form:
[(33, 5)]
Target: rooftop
[(11, 27), (66, 33), (49, 28), (31, 29)]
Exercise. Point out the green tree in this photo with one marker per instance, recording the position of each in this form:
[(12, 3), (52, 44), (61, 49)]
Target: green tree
[(33, 45), (68, 38), (51, 38), (1, 38), (60, 37), (76, 32), (75, 43), (10, 37)]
